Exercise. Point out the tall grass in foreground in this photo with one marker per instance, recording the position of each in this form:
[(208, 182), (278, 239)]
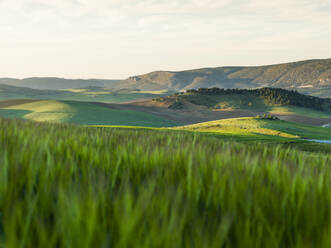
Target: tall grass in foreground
[(67, 186)]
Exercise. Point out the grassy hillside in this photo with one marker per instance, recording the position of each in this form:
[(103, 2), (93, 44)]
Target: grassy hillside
[(79, 113), (90, 94), (12, 92), (303, 75), (268, 96), (185, 108), (324, 92), (265, 100), (258, 128), (68, 186)]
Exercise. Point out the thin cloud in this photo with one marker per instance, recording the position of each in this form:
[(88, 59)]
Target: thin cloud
[(210, 29)]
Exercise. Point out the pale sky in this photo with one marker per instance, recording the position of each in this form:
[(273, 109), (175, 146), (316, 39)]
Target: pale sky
[(121, 38)]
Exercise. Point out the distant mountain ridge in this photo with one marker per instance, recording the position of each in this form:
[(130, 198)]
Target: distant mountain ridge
[(53, 83), (299, 75), (303, 75)]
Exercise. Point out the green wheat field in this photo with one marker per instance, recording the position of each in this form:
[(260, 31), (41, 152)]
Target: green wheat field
[(71, 186)]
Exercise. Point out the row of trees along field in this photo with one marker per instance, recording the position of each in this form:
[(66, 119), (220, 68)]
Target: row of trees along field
[(270, 95)]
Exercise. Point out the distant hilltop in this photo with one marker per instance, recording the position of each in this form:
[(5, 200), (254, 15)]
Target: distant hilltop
[(300, 75), (53, 83), (304, 75)]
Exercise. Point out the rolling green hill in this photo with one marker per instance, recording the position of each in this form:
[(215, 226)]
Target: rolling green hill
[(260, 128), (79, 113), (12, 92), (181, 108), (263, 100), (89, 94)]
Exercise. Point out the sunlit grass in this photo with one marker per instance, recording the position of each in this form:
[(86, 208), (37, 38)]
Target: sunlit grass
[(258, 126), (82, 113), (153, 92), (47, 110), (76, 90)]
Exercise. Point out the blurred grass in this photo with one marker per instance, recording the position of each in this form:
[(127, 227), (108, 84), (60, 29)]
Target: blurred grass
[(70, 186)]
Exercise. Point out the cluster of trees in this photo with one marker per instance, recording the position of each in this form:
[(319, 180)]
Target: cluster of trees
[(176, 105), (270, 95), (267, 117)]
